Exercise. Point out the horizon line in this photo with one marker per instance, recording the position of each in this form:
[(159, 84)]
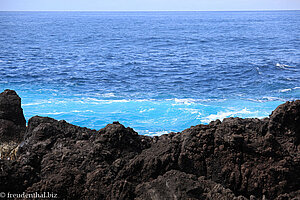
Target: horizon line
[(258, 10)]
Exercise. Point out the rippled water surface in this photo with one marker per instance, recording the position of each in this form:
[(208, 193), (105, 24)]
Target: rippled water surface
[(154, 71)]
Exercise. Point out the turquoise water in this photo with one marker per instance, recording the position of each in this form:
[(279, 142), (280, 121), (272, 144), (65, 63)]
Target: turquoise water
[(151, 117), (153, 71)]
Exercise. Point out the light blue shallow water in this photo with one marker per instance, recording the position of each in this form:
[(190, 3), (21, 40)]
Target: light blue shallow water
[(154, 71)]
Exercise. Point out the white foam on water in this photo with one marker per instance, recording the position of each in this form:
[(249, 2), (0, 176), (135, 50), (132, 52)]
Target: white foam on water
[(190, 110), (37, 103), (146, 110), (60, 101), (157, 116), (92, 100), (285, 90), (45, 89), (102, 101), (267, 99), (282, 66), (190, 101), (155, 133), (54, 113), (221, 115), (143, 100), (184, 101), (32, 104), (82, 111), (258, 70), (106, 95), (289, 89), (290, 79)]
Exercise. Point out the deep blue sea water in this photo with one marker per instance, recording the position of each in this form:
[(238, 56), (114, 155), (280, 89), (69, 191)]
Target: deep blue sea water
[(153, 71)]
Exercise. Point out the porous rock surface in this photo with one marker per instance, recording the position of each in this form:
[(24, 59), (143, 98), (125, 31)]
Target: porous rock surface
[(234, 159), (12, 121)]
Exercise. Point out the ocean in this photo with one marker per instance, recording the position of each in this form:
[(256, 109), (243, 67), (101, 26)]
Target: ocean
[(156, 72)]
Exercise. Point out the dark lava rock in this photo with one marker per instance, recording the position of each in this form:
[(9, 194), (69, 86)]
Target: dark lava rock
[(179, 185), (77, 162), (10, 108), (12, 121), (233, 159)]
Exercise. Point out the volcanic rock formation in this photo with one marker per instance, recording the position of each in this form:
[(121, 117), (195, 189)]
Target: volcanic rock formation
[(233, 159), (12, 123)]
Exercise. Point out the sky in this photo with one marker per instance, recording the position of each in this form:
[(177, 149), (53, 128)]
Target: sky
[(147, 5)]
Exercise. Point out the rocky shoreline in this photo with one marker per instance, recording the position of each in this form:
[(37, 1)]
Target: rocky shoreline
[(233, 159)]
